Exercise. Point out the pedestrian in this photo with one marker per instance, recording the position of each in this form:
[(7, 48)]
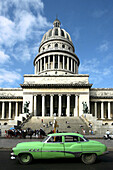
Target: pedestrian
[(108, 133)]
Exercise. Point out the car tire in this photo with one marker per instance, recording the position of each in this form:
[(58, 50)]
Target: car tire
[(88, 158), (25, 158)]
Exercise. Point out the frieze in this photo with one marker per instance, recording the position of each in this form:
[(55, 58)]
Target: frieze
[(101, 93)]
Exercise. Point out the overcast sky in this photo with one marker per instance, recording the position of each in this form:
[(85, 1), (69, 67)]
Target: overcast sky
[(89, 23)]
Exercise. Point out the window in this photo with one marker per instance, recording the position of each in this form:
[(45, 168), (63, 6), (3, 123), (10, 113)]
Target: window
[(63, 46), (67, 37), (49, 46), (71, 138), (56, 61), (55, 139), (56, 31), (56, 45), (62, 33)]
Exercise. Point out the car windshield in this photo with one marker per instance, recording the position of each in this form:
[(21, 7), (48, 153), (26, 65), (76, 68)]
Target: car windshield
[(45, 138), (85, 138)]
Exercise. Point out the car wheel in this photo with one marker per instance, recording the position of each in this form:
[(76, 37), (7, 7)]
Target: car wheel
[(88, 158), (25, 158)]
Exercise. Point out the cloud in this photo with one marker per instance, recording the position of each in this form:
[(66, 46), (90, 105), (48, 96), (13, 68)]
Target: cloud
[(97, 73), (19, 22), (104, 46), (76, 33), (4, 58), (99, 13), (9, 77)]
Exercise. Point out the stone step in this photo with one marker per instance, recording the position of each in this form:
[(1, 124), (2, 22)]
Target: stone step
[(72, 124)]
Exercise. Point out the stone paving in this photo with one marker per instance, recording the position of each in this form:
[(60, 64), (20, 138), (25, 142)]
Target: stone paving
[(7, 144)]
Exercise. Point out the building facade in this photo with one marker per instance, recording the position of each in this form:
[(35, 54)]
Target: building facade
[(56, 87)]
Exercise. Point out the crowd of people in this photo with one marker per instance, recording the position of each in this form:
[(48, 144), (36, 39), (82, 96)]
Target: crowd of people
[(12, 132)]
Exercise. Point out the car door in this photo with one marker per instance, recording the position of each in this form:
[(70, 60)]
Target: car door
[(54, 148), (72, 146)]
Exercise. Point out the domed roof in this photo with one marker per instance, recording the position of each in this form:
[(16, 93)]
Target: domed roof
[(56, 32)]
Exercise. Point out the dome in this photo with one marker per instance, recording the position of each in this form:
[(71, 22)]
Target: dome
[(56, 32), (56, 54)]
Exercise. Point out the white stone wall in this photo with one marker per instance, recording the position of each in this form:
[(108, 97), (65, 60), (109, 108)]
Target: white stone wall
[(11, 92), (101, 92), (33, 79)]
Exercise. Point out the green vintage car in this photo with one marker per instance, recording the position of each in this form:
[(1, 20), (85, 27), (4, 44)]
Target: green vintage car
[(59, 145)]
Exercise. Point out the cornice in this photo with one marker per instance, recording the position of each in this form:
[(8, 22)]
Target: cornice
[(56, 85)]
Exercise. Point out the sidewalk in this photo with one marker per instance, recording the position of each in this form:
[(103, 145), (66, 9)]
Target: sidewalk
[(8, 144)]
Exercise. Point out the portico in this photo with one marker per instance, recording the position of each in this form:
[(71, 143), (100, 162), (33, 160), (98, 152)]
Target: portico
[(61, 104)]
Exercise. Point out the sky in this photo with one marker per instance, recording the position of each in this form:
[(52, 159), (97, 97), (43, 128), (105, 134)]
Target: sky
[(24, 22)]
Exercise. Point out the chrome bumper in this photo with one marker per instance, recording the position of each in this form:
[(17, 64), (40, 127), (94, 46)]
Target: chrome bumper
[(106, 152), (13, 156)]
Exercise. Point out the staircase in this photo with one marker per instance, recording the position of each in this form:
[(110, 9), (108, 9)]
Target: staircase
[(71, 124)]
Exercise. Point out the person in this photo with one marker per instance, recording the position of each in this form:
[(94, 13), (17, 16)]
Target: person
[(108, 133)]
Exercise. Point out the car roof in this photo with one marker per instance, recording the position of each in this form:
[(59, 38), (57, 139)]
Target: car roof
[(65, 134)]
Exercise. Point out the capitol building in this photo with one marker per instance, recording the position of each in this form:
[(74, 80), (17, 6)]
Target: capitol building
[(56, 87)]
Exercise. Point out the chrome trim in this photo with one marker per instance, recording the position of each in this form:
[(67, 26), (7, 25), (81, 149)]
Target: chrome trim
[(13, 157)]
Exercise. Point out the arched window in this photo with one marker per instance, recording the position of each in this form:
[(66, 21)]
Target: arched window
[(56, 31), (62, 33), (49, 46), (67, 36), (56, 45), (63, 46)]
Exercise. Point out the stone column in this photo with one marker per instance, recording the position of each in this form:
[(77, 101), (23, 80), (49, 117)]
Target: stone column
[(63, 62), (49, 62), (9, 110), (16, 110), (60, 105), (67, 63), (109, 110), (68, 105), (72, 65), (43, 105), (95, 109), (41, 64), (3, 110), (58, 61), (102, 110), (51, 105), (76, 106), (35, 105), (76, 69)]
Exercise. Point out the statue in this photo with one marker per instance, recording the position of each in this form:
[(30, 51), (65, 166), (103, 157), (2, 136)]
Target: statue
[(85, 107), (26, 105)]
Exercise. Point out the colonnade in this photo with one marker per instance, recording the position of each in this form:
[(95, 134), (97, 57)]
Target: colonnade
[(56, 62), (10, 109), (61, 105), (102, 110)]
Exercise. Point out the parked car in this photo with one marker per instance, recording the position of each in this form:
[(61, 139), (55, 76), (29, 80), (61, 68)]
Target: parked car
[(59, 145), (110, 136)]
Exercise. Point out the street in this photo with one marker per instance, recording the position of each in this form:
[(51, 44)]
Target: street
[(103, 162)]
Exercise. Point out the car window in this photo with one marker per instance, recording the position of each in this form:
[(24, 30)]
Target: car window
[(55, 139), (45, 139), (71, 138)]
